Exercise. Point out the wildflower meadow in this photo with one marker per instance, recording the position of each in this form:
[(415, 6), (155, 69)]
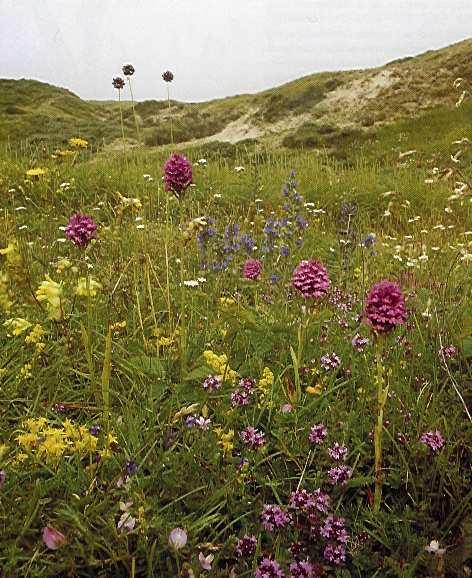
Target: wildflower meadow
[(252, 364)]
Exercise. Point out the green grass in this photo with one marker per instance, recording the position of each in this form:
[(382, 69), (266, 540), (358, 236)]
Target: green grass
[(122, 381)]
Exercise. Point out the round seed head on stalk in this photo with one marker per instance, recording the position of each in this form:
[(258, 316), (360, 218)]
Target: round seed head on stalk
[(167, 76), (128, 70), (118, 83)]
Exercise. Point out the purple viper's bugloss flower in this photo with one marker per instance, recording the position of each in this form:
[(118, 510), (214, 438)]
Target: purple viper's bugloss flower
[(274, 517), (433, 439), (317, 434), (311, 279), (178, 174), (385, 307), (245, 546), (252, 269), (301, 569), (252, 438), (81, 229), (269, 569)]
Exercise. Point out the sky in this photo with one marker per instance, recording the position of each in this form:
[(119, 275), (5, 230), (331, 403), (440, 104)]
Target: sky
[(215, 48)]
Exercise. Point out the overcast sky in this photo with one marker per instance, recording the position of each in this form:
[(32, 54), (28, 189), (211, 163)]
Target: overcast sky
[(214, 47)]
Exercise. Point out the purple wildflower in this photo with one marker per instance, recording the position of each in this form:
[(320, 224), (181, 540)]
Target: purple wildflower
[(269, 569), (335, 553), (212, 383), (131, 468), (274, 517), (178, 174), (81, 229), (339, 475), (337, 451), (243, 394), (385, 307), (245, 546), (311, 279), (359, 343), (301, 569), (322, 501), (252, 269), (330, 361), (447, 352), (318, 434), (252, 438), (334, 529), (433, 440), (301, 500)]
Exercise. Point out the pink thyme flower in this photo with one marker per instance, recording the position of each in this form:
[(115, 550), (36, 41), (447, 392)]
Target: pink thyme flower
[(81, 229), (318, 434), (447, 352), (337, 451), (339, 475), (335, 553), (359, 343), (301, 500), (311, 279), (334, 529), (252, 438), (252, 269), (212, 383), (385, 307), (52, 538), (269, 569), (245, 546), (177, 174), (273, 517), (433, 439), (301, 569)]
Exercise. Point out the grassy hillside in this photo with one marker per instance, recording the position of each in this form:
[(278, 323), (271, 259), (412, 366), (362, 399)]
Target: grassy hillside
[(323, 110)]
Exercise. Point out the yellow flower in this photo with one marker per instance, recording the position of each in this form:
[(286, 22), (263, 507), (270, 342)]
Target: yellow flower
[(37, 172), (16, 325), (78, 143), (62, 265), (314, 390), (12, 254), (27, 440), (226, 302), (35, 336), (25, 371), (83, 291), (225, 440), (50, 292), (35, 425), (219, 364)]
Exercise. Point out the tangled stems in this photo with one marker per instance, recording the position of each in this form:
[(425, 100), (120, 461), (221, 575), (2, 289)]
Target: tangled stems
[(382, 392)]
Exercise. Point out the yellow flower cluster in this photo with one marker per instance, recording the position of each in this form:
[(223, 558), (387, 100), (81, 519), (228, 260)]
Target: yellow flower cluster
[(36, 173), (35, 337), (16, 325), (62, 265), (264, 384), (78, 143), (227, 302), (90, 290), (50, 293), (12, 254), (50, 443), (225, 440), (219, 364)]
